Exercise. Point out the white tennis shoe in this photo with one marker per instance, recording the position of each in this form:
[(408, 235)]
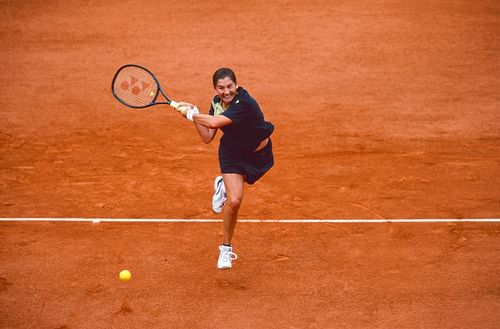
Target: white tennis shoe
[(226, 257), (219, 198)]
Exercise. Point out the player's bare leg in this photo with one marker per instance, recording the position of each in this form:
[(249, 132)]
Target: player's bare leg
[(234, 188), (234, 184)]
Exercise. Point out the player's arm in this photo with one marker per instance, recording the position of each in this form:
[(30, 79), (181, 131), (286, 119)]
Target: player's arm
[(205, 124), (206, 134), (211, 121)]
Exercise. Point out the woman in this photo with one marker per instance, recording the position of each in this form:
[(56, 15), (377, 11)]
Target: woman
[(245, 149)]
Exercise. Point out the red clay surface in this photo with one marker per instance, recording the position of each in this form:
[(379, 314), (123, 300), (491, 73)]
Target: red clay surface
[(383, 109), (65, 275)]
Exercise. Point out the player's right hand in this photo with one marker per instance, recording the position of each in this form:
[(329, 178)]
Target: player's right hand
[(184, 107), (187, 110)]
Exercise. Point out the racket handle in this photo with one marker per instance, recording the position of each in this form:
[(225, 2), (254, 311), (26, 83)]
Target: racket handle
[(175, 105)]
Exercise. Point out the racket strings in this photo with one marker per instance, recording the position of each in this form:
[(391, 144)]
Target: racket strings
[(135, 86)]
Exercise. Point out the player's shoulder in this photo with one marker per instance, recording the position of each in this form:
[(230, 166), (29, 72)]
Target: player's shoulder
[(244, 97), (243, 94)]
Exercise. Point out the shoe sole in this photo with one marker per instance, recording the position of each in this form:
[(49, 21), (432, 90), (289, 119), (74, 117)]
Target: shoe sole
[(217, 188), (224, 268)]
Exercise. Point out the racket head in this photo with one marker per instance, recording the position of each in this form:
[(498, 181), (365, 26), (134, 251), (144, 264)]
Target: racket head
[(135, 86)]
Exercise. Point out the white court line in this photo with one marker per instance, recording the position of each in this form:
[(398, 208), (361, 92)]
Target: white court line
[(305, 221)]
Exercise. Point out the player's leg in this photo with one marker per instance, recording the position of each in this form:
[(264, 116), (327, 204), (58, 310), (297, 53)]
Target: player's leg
[(234, 184)]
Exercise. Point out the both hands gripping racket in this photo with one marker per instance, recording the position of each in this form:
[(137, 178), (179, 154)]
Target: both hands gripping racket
[(137, 87)]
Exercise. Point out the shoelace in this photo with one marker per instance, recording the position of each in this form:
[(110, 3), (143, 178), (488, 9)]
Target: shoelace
[(228, 255)]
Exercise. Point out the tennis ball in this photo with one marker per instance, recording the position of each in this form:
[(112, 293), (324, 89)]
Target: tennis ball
[(125, 275)]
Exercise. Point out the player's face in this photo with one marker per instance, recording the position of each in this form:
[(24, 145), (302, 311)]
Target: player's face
[(226, 89)]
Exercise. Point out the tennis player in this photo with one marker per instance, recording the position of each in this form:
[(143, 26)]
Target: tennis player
[(245, 149)]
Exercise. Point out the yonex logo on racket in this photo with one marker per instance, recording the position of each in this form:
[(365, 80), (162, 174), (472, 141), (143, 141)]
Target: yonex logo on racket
[(133, 84)]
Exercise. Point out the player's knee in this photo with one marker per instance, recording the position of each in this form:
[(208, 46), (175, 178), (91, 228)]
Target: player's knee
[(234, 202)]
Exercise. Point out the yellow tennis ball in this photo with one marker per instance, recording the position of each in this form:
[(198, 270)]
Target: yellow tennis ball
[(125, 275)]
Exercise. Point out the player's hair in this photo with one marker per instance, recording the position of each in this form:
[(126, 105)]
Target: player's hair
[(222, 73)]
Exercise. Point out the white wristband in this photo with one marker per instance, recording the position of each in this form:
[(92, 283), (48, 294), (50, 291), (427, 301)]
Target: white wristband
[(191, 112)]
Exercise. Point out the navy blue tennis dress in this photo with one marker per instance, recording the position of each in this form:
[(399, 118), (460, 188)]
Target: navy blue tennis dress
[(237, 146)]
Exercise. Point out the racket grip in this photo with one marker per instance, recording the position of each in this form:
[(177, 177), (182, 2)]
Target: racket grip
[(174, 104)]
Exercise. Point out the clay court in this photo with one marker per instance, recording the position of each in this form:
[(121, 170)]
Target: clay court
[(384, 110)]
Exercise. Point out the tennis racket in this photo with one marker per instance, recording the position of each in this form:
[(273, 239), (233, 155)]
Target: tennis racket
[(137, 87)]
